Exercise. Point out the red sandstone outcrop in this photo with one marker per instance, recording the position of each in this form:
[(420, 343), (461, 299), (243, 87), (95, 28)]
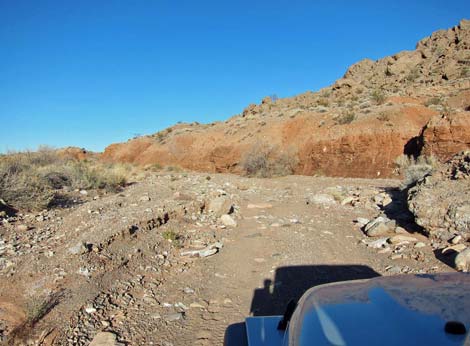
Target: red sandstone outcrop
[(411, 103)]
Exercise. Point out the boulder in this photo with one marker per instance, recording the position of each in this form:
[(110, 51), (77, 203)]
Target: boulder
[(441, 202), (379, 226), (462, 260), (228, 221), (221, 205)]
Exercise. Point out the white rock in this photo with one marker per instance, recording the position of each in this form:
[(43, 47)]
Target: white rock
[(401, 238), (377, 244), (462, 261), (362, 221), (379, 226), (228, 221), (105, 339), (386, 201), (259, 206), (347, 200), (22, 228), (78, 249), (173, 317), (90, 310), (322, 199), (456, 248), (220, 205), (210, 250)]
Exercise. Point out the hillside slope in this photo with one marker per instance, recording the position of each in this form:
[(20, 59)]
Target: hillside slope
[(415, 102)]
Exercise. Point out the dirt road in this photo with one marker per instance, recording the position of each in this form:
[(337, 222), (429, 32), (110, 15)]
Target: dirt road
[(116, 263)]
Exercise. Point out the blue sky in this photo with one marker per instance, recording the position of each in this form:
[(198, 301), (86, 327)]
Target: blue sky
[(90, 73)]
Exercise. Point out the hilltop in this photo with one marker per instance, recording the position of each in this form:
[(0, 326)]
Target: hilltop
[(413, 103)]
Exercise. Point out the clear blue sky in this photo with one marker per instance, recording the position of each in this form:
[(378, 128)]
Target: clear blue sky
[(89, 73)]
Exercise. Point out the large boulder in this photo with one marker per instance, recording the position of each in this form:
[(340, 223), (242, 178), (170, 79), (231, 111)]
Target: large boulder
[(441, 202)]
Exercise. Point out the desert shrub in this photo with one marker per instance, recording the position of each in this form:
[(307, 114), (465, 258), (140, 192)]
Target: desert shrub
[(32, 180), (413, 75), (26, 189), (255, 162), (175, 169), (383, 117), (378, 96), (413, 170), (323, 102), (154, 167), (265, 161), (346, 118), (86, 175), (433, 101), (465, 72)]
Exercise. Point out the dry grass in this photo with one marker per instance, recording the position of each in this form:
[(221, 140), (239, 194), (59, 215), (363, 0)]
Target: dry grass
[(265, 161), (32, 180)]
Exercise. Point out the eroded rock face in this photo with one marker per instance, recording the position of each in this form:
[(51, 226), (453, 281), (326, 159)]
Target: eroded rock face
[(446, 135), (441, 202), (414, 102)]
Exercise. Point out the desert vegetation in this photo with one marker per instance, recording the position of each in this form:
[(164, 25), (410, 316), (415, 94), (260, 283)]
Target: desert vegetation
[(378, 96), (265, 161), (36, 180), (415, 169)]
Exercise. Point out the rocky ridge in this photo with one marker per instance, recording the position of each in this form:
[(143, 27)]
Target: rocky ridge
[(415, 102)]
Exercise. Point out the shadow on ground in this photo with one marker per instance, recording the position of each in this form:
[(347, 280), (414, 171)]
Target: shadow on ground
[(290, 283), (447, 258), (398, 210)]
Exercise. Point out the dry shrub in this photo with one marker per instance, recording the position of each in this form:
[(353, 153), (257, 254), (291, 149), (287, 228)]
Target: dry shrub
[(378, 96), (346, 118), (25, 189), (265, 161), (32, 180), (415, 169)]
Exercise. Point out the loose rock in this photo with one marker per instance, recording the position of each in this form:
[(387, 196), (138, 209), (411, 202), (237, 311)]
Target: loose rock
[(462, 261), (228, 221), (105, 339)]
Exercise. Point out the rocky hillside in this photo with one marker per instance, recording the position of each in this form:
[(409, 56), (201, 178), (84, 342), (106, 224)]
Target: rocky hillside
[(415, 102)]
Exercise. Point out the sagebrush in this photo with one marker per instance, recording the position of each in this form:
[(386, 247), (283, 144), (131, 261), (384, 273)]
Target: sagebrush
[(415, 169), (265, 161), (33, 180)]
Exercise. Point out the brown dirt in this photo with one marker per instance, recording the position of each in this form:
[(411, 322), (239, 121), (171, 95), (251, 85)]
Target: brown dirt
[(132, 276)]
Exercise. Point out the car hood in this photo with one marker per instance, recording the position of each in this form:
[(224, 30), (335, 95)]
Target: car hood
[(399, 310)]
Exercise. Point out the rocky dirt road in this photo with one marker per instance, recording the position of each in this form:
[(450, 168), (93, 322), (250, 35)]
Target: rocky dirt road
[(161, 263)]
